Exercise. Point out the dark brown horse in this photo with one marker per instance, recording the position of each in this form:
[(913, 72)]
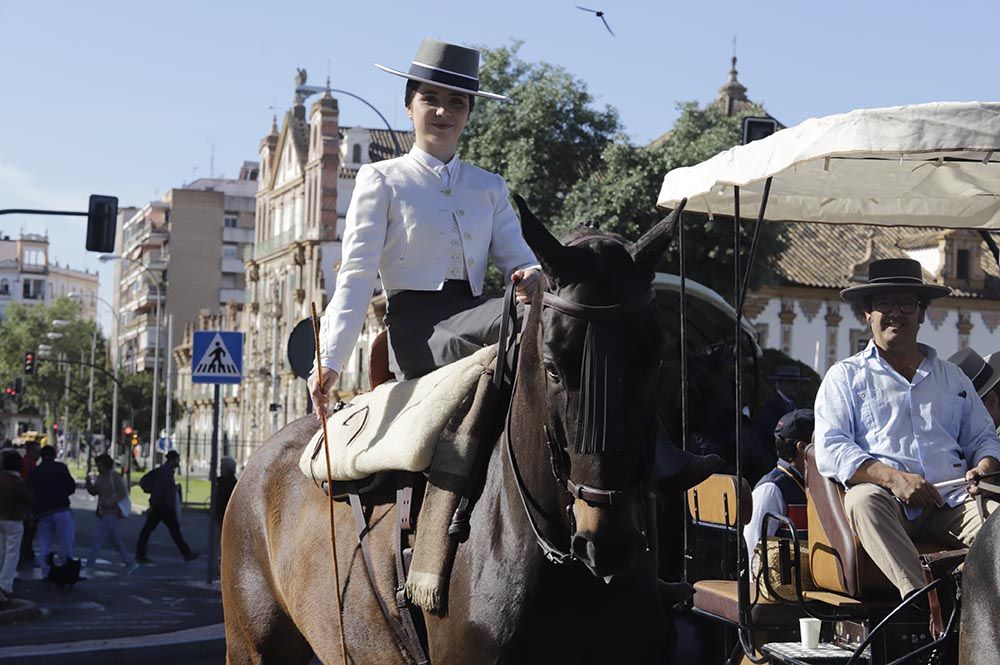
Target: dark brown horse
[(585, 397)]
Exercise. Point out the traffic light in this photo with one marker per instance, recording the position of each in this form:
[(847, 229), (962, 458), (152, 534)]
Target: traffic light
[(102, 220), (18, 385), (128, 430), (29, 362), (9, 390), (55, 428), (758, 128), (135, 438)]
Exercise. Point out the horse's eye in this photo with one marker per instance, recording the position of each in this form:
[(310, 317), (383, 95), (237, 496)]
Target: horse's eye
[(552, 373)]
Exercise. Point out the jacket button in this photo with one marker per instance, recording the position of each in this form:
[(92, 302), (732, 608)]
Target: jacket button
[(446, 191), (461, 213), (471, 261), (468, 236)]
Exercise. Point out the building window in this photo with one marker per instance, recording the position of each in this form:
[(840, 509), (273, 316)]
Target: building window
[(33, 289), (229, 252), (962, 264), (4, 288), (356, 153), (230, 222)]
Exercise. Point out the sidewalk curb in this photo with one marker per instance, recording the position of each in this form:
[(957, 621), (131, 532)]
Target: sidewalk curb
[(19, 609), (157, 648)]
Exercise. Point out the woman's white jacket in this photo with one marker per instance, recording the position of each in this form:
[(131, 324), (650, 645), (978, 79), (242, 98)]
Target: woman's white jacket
[(399, 225)]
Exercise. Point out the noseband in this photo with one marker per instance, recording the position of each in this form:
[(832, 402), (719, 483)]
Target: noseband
[(600, 384)]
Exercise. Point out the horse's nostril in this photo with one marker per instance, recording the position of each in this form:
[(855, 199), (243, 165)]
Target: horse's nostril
[(583, 548)]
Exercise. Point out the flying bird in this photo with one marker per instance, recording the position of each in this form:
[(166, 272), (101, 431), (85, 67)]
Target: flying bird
[(600, 15)]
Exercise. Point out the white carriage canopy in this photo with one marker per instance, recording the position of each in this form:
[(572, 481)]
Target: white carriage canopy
[(934, 165)]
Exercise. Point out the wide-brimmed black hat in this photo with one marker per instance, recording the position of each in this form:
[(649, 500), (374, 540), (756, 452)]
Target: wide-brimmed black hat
[(983, 372), (446, 65), (894, 274)]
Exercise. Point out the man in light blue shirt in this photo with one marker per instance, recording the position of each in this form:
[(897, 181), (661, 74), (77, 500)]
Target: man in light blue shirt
[(895, 424)]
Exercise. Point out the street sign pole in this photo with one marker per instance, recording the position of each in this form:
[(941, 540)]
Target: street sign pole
[(212, 476), (217, 357)]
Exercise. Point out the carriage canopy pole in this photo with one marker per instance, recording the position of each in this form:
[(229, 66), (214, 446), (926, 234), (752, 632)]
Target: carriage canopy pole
[(742, 567), (745, 630), (682, 269)]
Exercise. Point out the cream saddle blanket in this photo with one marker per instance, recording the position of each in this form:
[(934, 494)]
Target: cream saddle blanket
[(395, 427)]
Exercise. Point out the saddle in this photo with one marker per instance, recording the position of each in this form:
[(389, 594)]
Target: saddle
[(448, 512)]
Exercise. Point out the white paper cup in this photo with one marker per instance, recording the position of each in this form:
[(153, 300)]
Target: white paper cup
[(809, 630)]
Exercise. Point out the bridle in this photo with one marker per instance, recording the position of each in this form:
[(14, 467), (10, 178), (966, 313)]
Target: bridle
[(594, 379)]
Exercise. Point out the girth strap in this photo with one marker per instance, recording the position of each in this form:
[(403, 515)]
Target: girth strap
[(404, 627)]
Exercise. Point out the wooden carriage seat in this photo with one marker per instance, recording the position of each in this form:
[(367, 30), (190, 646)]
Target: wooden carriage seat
[(837, 560), (378, 361), (713, 504)]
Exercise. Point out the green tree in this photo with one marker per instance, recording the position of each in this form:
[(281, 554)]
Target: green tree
[(25, 328), (543, 141), (548, 137), (621, 198)]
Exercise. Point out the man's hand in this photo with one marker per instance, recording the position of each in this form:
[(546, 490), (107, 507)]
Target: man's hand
[(321, 394), (529, 282), (914, 490), (986, 466)]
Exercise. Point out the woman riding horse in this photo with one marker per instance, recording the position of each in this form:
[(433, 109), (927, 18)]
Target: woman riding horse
[(425, 223)]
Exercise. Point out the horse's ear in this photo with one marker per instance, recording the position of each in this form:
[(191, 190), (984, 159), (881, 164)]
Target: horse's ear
[(648, 250), (548, 250)]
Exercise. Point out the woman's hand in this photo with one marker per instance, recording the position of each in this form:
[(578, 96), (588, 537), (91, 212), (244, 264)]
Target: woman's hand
[(321, 394), (528, 281)]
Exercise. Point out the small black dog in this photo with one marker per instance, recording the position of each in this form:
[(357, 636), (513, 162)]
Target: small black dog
[(64, 576)]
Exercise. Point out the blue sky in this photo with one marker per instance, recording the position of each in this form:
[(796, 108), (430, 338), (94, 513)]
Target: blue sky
[(128, 98)]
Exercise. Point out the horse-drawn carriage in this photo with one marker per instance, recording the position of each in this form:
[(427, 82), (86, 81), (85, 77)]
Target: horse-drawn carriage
[(555, 568), (931, 165)]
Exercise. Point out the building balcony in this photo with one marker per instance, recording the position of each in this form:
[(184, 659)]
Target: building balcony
[(232, 265), (281, 241), (230, 234), (145, 301), (232, 295), (143, 234)]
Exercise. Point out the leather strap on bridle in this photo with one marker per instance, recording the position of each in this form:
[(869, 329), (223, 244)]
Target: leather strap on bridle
[(597, 312)]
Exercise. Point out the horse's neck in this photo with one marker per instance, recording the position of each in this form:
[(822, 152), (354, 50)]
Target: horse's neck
[(545, 497)]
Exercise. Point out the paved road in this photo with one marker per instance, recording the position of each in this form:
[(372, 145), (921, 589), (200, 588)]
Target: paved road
[(162, 597)]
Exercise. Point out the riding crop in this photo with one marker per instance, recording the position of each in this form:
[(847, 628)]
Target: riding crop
[(329, 488)]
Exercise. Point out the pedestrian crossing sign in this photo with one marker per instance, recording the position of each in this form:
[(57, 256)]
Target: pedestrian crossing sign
[(217, 357)]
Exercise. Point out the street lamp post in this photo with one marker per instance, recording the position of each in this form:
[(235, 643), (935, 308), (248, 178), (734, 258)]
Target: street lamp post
[(90, 399), (104, 258), (307, 90)]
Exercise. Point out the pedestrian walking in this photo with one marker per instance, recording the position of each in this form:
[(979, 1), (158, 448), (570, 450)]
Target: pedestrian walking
[(32, 451), (111, 492), (163, 507), (224, 487), (15, 507), (52, 485)]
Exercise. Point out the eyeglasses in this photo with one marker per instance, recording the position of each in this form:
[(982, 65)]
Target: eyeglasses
[(905, 306)]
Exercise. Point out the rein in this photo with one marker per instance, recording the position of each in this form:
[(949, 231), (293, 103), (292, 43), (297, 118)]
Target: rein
[(595, 386)]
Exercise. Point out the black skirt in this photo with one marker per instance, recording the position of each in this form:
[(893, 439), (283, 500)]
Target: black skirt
[(430, 329)]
